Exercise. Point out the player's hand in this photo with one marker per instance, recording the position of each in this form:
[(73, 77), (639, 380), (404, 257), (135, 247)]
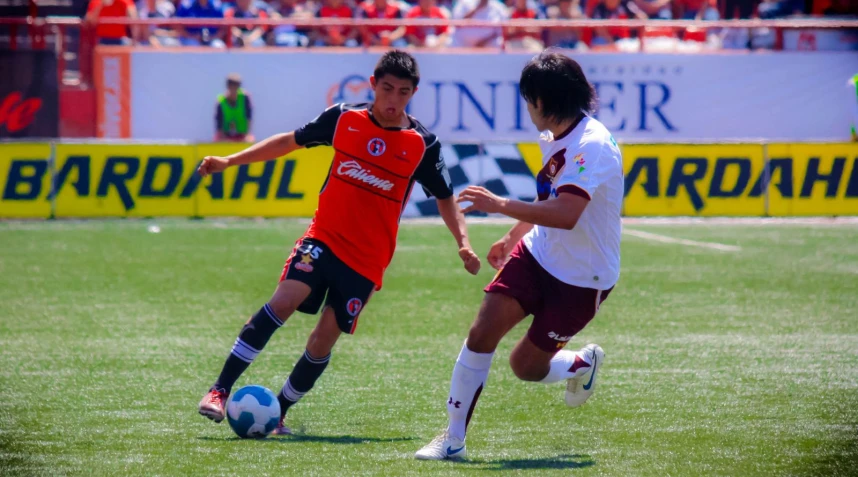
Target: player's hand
[(470, 259), (481, 200), (499, 253), (212, 164)]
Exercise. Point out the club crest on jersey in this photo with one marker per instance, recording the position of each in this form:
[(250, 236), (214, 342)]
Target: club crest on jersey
[(545, 177), (354, 306), (306, 263), (376, 146)]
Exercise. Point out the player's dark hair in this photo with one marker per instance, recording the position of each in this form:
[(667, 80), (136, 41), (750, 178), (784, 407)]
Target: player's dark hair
[(397, 63), (560, 83)]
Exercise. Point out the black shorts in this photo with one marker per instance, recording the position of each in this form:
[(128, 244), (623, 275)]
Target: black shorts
[(331, 282)]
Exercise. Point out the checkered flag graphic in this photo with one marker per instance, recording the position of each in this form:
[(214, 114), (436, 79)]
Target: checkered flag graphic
[(499, 168)]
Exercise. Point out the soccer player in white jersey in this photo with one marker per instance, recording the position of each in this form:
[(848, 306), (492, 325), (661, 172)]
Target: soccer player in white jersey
[(558, 262)]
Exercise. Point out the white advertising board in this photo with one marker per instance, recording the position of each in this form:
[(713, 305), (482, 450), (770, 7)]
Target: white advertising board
[(474, 97)]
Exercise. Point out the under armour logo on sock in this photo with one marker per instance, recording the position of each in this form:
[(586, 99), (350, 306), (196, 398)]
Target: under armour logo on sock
[(456, 404)]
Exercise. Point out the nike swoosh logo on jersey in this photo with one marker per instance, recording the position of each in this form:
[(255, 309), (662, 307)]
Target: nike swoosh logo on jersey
[(590, 383), (353, 129), (450, 450)]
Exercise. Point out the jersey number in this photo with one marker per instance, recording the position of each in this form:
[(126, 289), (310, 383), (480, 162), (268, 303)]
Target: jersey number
[(314, 250)]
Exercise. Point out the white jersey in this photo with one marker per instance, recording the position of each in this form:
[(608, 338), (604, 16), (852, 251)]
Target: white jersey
[(585, 161)]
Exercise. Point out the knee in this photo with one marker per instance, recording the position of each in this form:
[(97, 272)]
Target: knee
[(322, 340), (481, 339), (319, 344), (525, 369), (283, 306)]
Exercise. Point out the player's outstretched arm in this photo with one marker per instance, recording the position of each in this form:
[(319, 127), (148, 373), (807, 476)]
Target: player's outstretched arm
[(275, 146), (562, 213), (455, 220)]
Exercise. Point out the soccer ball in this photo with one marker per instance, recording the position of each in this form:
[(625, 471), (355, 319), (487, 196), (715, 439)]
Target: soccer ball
[(253, 412)]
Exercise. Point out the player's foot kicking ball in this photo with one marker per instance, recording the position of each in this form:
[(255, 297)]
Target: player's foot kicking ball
[(281, 429), (443, 446), (580, 388), (212, 405)]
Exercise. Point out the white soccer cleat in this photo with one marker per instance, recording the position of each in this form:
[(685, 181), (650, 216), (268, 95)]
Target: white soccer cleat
[(442, 447), (580, 388)]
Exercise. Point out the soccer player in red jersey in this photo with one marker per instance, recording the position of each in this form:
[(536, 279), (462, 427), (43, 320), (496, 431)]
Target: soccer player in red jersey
[(379, 152)]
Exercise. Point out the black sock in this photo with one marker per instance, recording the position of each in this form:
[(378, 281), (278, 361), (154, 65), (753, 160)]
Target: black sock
[(248, 345), (304, 375)]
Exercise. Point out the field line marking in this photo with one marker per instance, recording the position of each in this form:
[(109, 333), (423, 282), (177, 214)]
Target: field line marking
[(690, 243)]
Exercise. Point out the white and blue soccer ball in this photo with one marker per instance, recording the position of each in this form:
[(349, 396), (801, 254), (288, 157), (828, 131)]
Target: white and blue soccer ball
[(253, 412)]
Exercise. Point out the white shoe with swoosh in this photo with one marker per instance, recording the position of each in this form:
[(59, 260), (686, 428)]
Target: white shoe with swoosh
[(442, 447), (580, 388)]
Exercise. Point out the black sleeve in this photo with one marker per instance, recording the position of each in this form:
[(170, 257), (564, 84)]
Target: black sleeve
[(320, 131), (248, 106), (432, 173)]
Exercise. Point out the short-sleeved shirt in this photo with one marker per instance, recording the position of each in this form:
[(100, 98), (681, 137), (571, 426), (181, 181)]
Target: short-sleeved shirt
[(370, 180), (194, 9), (343, 11), (370, 10), (602, 12), (494, 11), (697, 5), (117, 9), (255, 11), (587, 162), (527, 14), (423, 32), (163, 9)]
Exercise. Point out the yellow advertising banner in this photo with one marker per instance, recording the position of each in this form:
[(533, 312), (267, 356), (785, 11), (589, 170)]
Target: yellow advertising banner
[(142, 180), (813, 179), (25, 178), (148, 180), (287, 187), (694, 180), (133, 180)]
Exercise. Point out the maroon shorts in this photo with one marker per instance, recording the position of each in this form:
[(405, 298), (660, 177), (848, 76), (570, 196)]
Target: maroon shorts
[(559, 310)]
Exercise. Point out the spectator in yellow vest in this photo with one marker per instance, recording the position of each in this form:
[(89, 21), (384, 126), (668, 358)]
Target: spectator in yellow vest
[(233, 113)]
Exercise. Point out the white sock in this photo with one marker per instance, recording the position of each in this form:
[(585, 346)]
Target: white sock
[(469, 377), (567, 364)]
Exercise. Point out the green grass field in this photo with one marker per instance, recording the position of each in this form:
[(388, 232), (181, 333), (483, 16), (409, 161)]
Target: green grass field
[(717, 362)]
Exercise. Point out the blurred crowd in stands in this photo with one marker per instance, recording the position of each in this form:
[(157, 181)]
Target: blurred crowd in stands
[(290, 35)]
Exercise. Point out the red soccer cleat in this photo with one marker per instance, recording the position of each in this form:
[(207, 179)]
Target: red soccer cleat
[(212, 405), (281, 429)]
